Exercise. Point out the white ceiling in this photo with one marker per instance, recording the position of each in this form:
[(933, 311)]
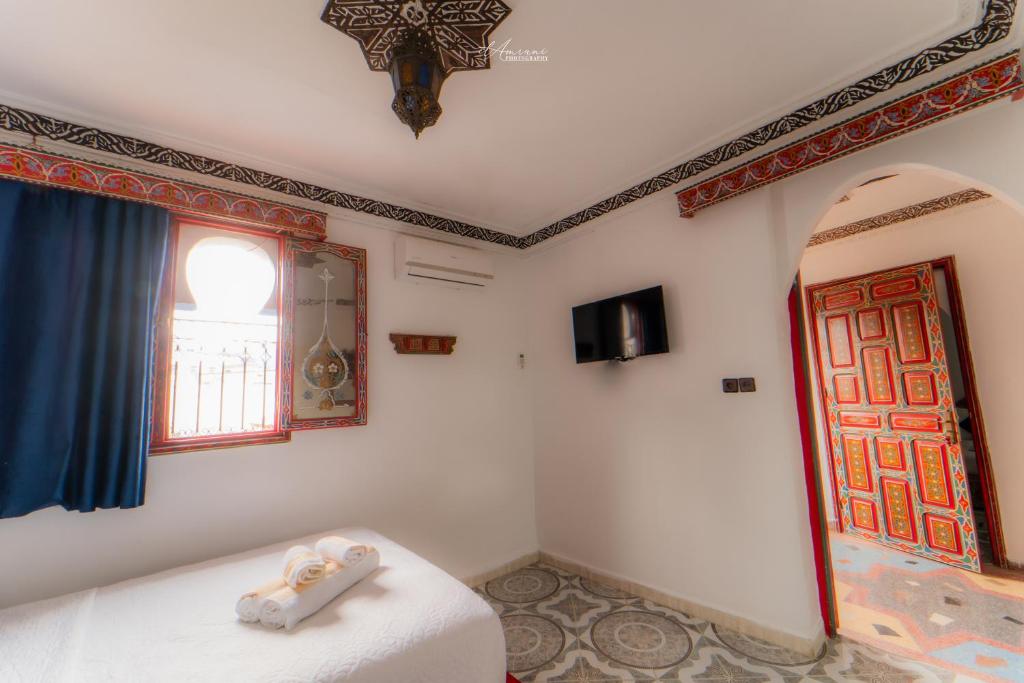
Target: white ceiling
[(630, 89), (889, 194)]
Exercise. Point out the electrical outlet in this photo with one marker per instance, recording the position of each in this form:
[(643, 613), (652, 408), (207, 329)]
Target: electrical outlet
[(730, 386)]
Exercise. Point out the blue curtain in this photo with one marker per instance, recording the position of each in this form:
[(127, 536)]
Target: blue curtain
[(79, 287)]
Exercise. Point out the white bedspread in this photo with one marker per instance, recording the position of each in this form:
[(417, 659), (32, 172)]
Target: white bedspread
[(408, 622)]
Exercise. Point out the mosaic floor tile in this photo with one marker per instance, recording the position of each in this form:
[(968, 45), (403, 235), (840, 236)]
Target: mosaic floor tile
[(966, 622), (527, 585), (762, 651), (610, 636), (645, 640), (531, 641)]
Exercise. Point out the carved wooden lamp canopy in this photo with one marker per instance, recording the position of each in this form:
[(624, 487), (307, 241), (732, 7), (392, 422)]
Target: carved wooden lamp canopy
[(420, 42)]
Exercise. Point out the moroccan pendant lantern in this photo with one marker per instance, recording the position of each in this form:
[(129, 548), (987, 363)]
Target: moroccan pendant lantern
[(417, 75)]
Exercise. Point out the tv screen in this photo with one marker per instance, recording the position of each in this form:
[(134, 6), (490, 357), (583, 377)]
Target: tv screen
[(621, 328)]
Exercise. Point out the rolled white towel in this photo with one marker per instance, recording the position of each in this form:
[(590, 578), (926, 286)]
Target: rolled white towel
[(302, 566), (287, 607), (248, 606), (341, 550)]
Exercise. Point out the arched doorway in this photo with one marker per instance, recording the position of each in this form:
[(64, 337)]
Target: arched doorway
[(903, 471)]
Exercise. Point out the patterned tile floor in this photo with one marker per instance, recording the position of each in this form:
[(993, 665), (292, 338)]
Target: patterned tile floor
[(560, 628), (913, 607)]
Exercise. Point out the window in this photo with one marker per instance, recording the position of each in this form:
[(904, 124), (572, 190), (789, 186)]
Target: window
[(218, 354)]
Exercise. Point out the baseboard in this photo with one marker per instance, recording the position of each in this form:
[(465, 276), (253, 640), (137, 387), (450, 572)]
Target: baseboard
[(805, 646), (507, 568)]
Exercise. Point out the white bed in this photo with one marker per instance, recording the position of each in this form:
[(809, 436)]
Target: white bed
[(408, 622)]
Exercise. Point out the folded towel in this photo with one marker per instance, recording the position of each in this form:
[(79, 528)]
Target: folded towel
[(249, 605), (302, 566), (287, 606), (341, 550)]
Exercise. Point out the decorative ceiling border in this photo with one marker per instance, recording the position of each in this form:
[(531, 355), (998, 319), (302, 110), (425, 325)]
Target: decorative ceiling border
[(58, 171), (907, 213), (952, 96), (22, 121), (994, 26)]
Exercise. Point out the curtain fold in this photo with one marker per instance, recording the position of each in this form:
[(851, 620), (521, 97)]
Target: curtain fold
[(79, 290)]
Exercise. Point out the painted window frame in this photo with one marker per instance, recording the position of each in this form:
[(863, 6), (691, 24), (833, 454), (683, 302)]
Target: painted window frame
[(160, 441)]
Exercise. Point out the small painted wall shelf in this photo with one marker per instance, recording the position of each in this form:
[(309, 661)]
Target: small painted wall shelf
[(423, 344)]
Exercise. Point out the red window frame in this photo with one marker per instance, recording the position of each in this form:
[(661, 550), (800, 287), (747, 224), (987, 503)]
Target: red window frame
[(160, 441)]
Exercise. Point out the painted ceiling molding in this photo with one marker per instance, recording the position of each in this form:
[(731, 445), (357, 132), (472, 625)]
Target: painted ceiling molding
[(907, 213), (18, 163), (39, 125), (952, 96), (994, 26)]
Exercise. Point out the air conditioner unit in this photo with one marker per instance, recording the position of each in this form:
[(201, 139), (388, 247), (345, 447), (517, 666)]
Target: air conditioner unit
[(430, 262)]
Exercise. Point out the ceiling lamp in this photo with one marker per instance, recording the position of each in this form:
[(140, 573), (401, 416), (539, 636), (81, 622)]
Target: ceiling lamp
[(417, 76), (420, 42)]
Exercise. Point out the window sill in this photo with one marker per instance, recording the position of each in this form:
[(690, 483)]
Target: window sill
[(207, 443)]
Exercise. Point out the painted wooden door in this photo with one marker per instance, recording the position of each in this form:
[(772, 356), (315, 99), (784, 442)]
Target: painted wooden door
[(893, 437)]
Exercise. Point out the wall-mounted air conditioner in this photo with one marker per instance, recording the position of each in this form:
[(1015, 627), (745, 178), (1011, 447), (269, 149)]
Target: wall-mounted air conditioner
[(430, 262)]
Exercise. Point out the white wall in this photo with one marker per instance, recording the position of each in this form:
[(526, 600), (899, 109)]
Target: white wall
[(445, 465), (648, 471), (987, 239)]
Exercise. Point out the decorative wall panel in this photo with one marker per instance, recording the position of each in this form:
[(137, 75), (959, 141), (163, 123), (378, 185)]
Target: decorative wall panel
[(423, 344), (56, 171), (324, 365)]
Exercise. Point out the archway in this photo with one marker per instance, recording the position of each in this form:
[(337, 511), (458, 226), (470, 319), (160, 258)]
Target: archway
[(964, 234)]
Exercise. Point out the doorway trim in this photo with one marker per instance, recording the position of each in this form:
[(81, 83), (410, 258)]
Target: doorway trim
[(803, 358)]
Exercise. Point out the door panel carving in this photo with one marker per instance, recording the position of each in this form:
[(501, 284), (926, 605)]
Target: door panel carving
[(898, 468)]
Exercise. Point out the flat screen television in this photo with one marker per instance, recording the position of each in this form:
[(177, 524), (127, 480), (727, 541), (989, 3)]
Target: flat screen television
[(621, 328)]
